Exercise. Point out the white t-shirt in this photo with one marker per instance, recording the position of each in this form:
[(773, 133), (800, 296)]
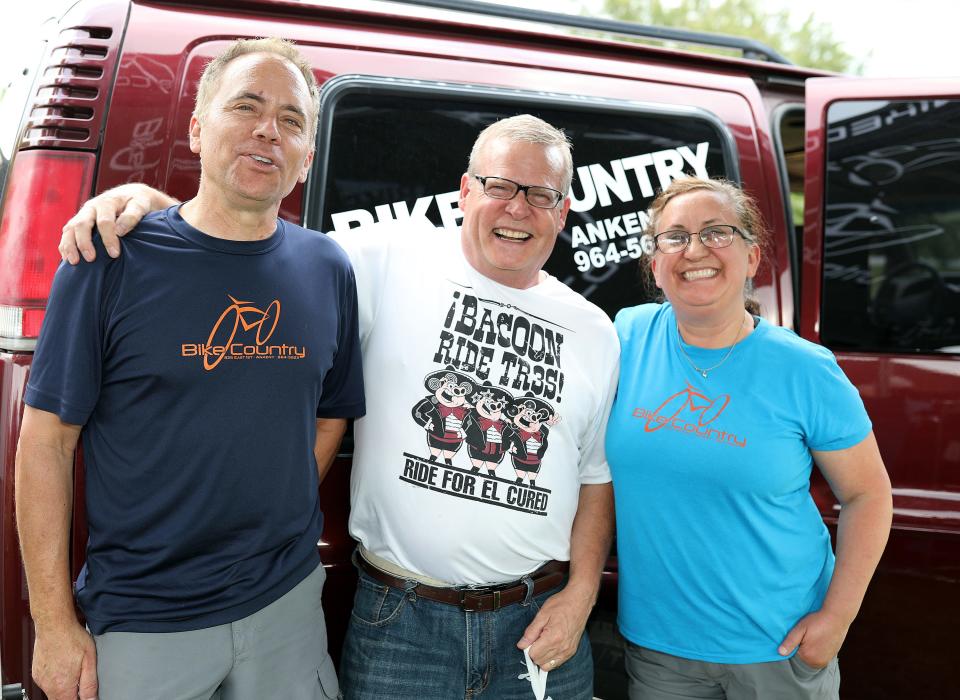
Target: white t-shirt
[(444, 484)]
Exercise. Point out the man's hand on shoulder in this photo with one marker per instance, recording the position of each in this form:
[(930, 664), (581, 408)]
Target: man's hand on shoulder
[(114, 213), (65, 662)]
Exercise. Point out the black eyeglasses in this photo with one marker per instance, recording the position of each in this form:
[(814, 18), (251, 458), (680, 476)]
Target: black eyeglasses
[(716, 236), (537, 195)]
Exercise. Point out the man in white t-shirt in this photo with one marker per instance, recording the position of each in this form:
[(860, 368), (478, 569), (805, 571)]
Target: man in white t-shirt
[(463, 569)]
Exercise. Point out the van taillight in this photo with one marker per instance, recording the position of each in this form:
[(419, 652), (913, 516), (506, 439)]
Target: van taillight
[(44, 190)]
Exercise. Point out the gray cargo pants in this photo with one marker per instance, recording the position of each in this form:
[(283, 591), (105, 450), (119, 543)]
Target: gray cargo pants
[(279, 651), (657, 676)]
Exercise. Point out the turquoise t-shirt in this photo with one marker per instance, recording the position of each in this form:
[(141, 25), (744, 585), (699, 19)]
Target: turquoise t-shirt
[(721, 547)]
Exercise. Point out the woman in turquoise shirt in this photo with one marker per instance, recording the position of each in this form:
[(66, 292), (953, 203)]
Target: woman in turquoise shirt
[(728, 584)]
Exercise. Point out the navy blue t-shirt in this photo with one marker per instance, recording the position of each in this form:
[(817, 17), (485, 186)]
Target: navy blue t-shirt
[(197, 366)]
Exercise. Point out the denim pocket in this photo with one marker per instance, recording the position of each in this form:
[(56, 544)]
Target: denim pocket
[(375, 604)]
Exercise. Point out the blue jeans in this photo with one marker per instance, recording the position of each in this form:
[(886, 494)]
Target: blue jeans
[(403, 647)]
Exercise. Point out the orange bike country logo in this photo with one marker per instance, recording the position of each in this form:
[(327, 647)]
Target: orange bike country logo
[(255, 328), (678, 411)]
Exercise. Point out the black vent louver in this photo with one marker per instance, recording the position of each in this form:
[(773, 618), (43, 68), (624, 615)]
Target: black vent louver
[(70, 101)]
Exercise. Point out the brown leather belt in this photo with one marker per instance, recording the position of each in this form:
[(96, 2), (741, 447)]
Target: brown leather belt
[(486, 599)]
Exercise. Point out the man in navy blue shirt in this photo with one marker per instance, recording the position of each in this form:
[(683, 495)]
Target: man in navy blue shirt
[(211, 370)]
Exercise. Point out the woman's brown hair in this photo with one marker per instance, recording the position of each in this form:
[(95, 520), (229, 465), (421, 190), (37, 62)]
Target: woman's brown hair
[(748, 218)]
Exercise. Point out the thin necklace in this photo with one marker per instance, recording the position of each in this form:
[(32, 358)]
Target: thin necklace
[(703, 372)]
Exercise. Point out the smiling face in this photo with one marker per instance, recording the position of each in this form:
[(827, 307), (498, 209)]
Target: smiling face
[(491, 407), (529, 419), (509, 240), (700, 280), (451, 393), (254, 139), (528, 416)]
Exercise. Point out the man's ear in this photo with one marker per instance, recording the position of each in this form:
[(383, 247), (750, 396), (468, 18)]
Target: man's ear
[(464, 190), (194, 132), (305, 170), (564, 210)]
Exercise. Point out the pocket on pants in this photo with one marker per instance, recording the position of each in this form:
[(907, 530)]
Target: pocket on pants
[(375, 604), (817, 682), (329, 685), (803, 670)]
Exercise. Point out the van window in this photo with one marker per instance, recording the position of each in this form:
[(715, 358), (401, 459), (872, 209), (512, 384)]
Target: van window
[(788, 137), (389, 150), (891, 273)]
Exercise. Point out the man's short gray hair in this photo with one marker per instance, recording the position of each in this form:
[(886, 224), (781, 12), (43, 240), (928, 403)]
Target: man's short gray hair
[(526, 128), (213, 72)]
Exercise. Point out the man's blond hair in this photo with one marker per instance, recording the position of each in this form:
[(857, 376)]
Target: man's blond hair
[(213, 73), (526, 128)]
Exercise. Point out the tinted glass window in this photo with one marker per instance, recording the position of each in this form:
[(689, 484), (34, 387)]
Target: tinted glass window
[(892, 230), (789, 136), (398, 154)]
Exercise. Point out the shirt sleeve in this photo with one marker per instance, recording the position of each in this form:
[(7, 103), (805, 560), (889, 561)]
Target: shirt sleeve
[(839, 419), (67, 367), (593, 460), (342, 394), (369, 251)]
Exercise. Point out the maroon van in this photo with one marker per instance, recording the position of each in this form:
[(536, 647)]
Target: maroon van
[(857, 178)]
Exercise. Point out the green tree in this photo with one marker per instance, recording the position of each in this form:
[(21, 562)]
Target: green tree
[(811, 44)]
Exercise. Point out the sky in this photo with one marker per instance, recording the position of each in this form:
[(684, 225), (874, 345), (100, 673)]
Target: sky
[(905, 39), (921, 44)]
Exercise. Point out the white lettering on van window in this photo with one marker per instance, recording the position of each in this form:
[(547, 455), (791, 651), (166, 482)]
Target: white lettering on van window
[(848, 128), (598, 185), (383, 213), (669, 166), (866, 125), (613, 227), (593, 234), (907, 110), (589, 199), (609, 229), (420, 208), (638, 164), (698, 160), (449, 206), (398, 211), (605, 183), (355, 218), (446, 203)]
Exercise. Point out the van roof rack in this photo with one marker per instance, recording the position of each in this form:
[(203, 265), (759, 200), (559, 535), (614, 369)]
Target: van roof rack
[(750, 48)]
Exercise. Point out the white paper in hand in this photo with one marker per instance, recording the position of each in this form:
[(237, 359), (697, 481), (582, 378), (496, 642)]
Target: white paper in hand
[(537, 677)]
